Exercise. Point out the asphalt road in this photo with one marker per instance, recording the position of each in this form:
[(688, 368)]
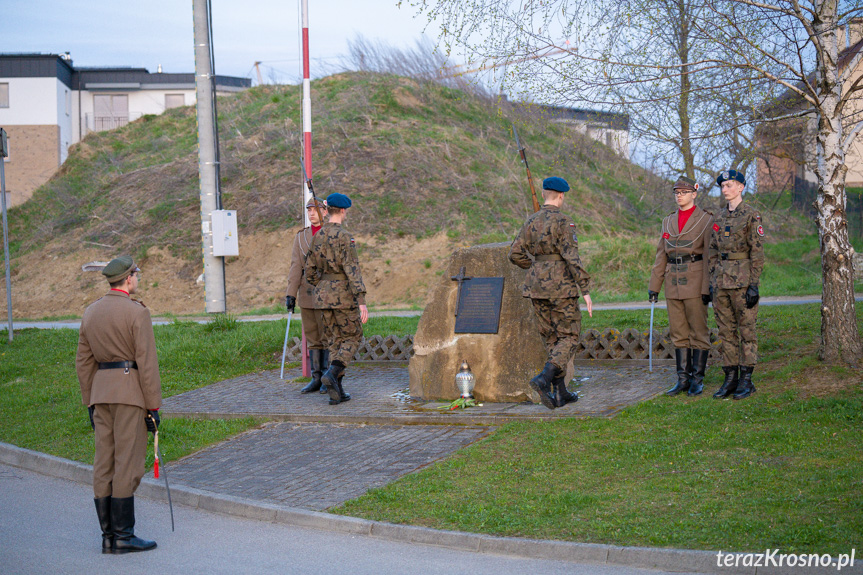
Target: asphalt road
[(49, 525)]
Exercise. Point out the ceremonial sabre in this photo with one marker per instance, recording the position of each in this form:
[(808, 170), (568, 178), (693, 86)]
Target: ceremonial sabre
[(650, 348), (285, 347), (158, 454)]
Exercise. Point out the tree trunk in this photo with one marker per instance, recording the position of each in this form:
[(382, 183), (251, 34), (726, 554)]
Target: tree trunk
[(840, 340)]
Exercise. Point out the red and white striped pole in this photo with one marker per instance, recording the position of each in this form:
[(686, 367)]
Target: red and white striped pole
[(307, 147)]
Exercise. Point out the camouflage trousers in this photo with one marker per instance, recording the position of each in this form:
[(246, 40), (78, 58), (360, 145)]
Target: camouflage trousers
[(559, 325), (736, 327), (343, 332)]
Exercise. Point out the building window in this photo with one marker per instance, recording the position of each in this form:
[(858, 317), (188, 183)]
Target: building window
[(174, 101), (110, 111), (4, 95)]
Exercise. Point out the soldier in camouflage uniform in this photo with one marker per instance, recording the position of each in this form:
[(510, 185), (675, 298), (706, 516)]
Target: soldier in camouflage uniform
[(680, 264), (547, 245), (736, 261), (333, 268)]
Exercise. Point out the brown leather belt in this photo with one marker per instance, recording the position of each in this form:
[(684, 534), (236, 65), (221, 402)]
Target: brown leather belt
[(685, 259), (548, 257), (118, 365), (734, 256), (330, 277)]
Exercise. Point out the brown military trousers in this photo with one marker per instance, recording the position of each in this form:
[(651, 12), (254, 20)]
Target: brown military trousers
[(687, 323), (559, 325), (736, 327), (343, 331), (121, 449), (313, 327)]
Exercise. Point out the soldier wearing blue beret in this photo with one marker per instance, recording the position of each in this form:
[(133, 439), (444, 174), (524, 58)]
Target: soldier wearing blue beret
[(333, 268), (547, 245), (736, 262)]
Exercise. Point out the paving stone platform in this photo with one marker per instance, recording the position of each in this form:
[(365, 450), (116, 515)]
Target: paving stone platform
[(380, 395), (314, 455)]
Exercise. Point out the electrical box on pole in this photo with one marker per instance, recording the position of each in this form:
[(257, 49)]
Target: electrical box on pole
[(225, 241)]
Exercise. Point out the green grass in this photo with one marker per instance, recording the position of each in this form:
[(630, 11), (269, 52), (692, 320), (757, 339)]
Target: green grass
[(782, 469)]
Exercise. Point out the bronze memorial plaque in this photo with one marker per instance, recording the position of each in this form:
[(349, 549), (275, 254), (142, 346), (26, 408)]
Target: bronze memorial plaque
[(479, 306)]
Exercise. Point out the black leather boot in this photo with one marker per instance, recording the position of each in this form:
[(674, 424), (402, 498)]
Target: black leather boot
[(683, 358), (315, 367), (103, 510), (344, 394), (745, 388), (542, 384), (332, 378), (123, 521), (729, 386), (325, 365), (562, 395), (699, 366)]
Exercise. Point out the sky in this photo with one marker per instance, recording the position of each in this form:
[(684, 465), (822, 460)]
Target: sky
[(160, 32)]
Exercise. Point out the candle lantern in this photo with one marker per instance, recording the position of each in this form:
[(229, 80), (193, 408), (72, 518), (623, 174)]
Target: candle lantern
[(465, 380)]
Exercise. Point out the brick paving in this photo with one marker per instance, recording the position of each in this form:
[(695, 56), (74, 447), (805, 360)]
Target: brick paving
[(315, 455)]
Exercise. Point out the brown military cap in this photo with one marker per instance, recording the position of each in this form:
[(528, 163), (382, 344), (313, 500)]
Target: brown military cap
[(312, 201), (119, 269), (684, 183)]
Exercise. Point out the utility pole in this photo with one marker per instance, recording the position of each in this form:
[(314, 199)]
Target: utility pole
[(4, 151), (258, 70), (208, 154)]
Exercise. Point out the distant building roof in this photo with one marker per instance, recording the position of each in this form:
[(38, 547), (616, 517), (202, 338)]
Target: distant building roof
[(104, 78)]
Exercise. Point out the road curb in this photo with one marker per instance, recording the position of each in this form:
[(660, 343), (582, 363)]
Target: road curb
[(644, 557)]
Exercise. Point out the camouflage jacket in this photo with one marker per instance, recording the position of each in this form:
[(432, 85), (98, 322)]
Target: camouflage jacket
[(333, 268), (684, 279), (547, 233), (736, 248)]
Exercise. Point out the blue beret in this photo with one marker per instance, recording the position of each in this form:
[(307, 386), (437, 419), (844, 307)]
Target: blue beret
[(556, 184), (731, 175), (338, 200)]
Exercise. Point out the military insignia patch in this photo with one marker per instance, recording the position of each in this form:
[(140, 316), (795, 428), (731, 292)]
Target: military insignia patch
[(666, 235), (715, 227), (760, 230), (726, 176)]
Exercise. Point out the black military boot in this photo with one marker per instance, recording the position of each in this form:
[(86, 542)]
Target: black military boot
[(699, 366), (103, 510), (729, 386), (542, 384), (562, 395), (123, 521), (344, 394), (325, 365), (315, 362), (745, 388), (332, 378), (683, 358)]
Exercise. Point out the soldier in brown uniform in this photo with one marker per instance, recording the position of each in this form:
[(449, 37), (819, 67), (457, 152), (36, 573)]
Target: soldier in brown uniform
[(119, 375), (547, 245), (681, 263), (300, 291), (333, 268), (736, 262)]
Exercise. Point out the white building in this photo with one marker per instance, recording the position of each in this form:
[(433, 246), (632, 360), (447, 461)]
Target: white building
[(47, 105)]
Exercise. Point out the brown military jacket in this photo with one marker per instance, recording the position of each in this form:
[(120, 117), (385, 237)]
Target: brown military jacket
[(333, 268), (297, 284), (684, 279), (545, 234), (736, 248), (117, 328)]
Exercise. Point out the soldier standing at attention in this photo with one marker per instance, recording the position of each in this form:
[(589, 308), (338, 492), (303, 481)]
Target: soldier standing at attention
[(300, 291), (547, 245), (681, 263), (333, 268), (119, 375), (736, 261)]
